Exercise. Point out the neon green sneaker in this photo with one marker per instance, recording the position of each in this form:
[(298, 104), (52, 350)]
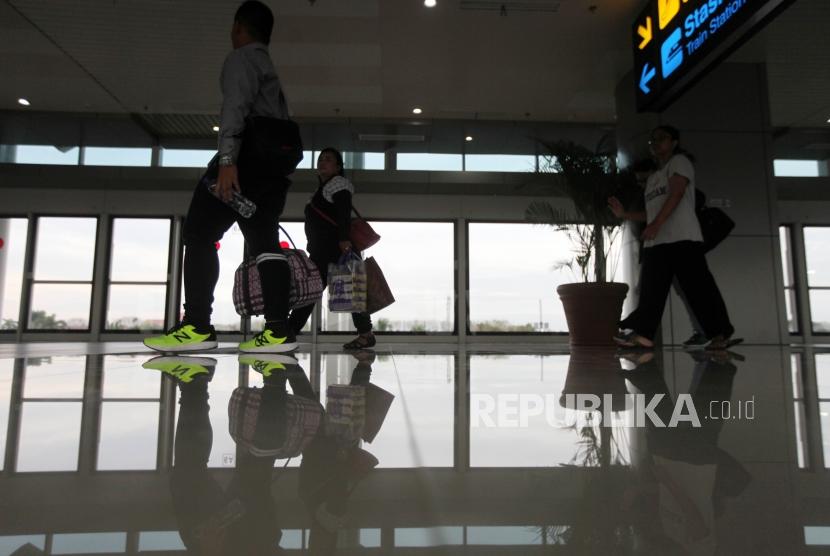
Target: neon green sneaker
[(183, 369), (183, 337), (267, 363), (270, 341)]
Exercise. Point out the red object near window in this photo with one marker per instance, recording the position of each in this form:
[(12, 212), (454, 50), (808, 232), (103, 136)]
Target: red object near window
[(284, 245), (2, 243), (217, 245)]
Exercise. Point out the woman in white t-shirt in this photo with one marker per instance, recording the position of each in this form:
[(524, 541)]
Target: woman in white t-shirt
[(673, 247)]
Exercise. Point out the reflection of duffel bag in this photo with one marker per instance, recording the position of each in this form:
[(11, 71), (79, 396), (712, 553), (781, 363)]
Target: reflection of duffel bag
[(270, 422), (306, 283)]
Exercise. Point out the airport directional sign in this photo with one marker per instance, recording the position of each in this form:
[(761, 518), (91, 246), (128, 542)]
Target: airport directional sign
[(676, 41)]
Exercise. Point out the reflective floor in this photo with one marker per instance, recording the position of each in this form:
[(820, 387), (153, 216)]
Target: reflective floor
[(410, 451)]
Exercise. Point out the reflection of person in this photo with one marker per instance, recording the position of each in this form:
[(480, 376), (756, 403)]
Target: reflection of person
[(334, 463), (242, 518), (673, 248), (685, 476), (250, 90), (327, 223)]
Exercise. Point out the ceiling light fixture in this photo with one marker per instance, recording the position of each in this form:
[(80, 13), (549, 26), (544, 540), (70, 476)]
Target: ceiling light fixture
[(24, 102), (468, 138), (430, 3), (417, 111), (216, 128)]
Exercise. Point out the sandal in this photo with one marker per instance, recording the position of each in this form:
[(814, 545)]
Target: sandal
[(363, 341)]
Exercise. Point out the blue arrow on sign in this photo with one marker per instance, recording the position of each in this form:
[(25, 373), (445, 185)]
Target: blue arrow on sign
[(645, 77)]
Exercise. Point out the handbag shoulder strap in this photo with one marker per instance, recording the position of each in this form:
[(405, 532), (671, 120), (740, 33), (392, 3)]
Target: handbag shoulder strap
[(294, 245), (323, 215)]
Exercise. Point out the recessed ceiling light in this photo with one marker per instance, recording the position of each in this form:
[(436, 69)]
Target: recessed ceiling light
[(24, 102), (216, 128), (416, 111), (468, 138), (430, 3)]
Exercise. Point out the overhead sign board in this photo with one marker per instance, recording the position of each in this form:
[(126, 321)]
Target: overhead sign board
[(677, 41)]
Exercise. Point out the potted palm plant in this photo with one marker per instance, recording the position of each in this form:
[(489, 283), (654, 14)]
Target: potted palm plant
[(588, 178)]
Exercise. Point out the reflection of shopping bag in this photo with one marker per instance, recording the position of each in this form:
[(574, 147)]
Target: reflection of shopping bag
[(347, 285), (345, 413), (378, 402), (265, 422), (378, 294)]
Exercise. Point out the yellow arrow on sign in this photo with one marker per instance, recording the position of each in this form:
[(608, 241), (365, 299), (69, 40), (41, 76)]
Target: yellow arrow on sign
[(666, 10), (645, 33)]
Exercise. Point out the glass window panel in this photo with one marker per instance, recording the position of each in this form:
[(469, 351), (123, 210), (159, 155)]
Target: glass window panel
[(430, 162), (795, 366), (138, 307), (291, 539), (419, 432), (500, 163), (129, 433), (140, 247), (65, 248), (60, 307), (795, 168), (10, 543), (89, 543), (6, 375), (117, 156), (789, 305), (122, 378), (418, 262), (429, 536), (824, 418), (820, 310), (369, 538), (159, 541), (50, 434), (55, 377), (497, 301), (817, 248), (823, 375), (501, 385), (12, 252), (186, 158), (504, 536), (45, 154), (786, 255), (817, 536), (308, 161), (800, 434), (363, 161)]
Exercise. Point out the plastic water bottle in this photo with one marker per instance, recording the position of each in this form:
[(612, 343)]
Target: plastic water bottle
[(244, 206)]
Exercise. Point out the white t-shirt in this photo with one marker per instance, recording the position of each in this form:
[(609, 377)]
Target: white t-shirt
[(682, 224)]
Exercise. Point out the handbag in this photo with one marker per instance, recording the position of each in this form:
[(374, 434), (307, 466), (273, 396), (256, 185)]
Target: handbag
[(715, 226), (347, 285), (378, 294), (361, 234), (272, 146), (306, 285)]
